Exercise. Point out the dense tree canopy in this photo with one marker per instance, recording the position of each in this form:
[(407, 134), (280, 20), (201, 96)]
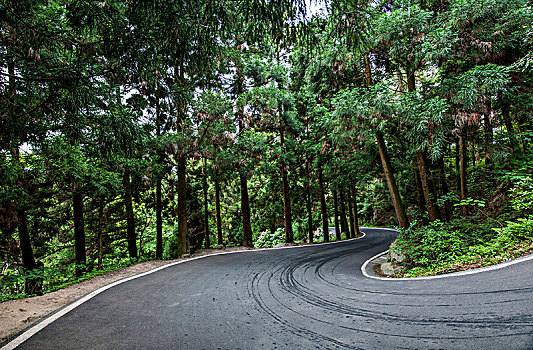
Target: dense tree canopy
[(138, 130)]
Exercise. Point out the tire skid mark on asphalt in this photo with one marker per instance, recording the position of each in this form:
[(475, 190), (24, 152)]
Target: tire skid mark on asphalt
[(298, 331), (305, 292), (501, 291), (290, 285)]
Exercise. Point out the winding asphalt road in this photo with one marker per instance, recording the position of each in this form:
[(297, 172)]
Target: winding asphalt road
[(301, 298)]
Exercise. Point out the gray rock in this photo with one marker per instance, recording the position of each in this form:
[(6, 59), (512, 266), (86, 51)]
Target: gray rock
[(389, 269), (395, 254)]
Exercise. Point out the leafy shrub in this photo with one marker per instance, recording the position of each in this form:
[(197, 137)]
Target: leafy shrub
[(446, 247), (434, 243), (170, 250), (52, 277), (268, 240)]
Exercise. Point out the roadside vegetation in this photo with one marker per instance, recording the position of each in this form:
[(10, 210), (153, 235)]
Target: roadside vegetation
[(490, 236), (141, 130)]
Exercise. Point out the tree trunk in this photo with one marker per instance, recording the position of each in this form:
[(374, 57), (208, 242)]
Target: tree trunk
[(289, 235), (399, 208), (444, 189), (350, 216), (32, 285), (429, 193), (206, 212), (344, 222), (336, 211), (506, 116), (489, 137), (79, 232), (130, 218), (158, 190), (246, 221), (323, 208), (183, 229), (309, 203), (368, 72), (522, 125), (420, 194), (356, 233), (458, 165), (158, 220), (100, 234), (220, 239), (273, 226), (462, 161)]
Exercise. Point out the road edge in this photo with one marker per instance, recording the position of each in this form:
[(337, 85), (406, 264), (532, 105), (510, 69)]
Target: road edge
[(453, 274)]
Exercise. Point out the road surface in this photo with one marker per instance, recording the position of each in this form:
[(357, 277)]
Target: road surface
[(312, 297)]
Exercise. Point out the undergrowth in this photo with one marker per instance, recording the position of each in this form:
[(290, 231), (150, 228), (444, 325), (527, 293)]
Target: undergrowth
[(53, 278), (460, 244)]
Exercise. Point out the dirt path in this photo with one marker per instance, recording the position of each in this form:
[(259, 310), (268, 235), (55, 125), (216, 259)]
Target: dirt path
[(16, 315)]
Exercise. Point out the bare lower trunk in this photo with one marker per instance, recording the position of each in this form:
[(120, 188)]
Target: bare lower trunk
[(273, 224), (130, 218), (427, 186), (350, 216), (489, 137), (246, 222), (206, 212), (309, 217), (336, 213), (462, 161), (444, 190), (506, 115), (100, 235), (522, 125), (399, 208), (344, 222), (220, 239), (420, 194), (158, 220), (309, 203), (458, 165), (355, 214), (79, 233), (32, 285), (183, 229), (323, 208)]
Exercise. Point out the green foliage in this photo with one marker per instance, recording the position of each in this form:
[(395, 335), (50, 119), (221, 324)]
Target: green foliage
[(442, 248), (268, 240), (52, 278), (460, 244), (470, 201)]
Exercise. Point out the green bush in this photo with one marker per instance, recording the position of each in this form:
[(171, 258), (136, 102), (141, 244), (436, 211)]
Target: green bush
[(446, 247), (170, 249), (268, 240), (434, 243), (463, 243)]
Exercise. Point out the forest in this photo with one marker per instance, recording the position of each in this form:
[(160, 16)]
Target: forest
[(139, 130)]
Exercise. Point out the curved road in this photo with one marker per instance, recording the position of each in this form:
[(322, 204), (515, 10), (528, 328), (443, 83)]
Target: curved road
[(301, 298)]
